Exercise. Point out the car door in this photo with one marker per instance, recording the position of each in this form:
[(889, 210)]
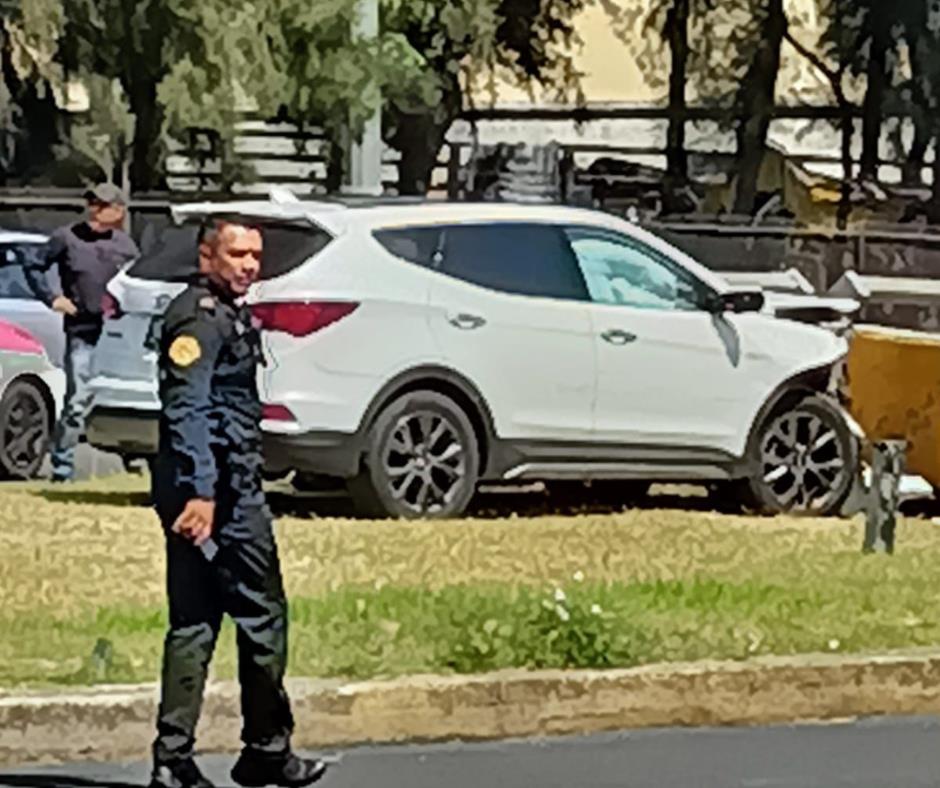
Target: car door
[(670, 372), (508, 309), (20, 306)]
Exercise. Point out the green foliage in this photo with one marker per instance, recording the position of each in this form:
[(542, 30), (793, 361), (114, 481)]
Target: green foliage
[(105, 134)]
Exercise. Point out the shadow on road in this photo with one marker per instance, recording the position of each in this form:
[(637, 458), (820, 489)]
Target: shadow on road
[(56, 781), (95, 497)]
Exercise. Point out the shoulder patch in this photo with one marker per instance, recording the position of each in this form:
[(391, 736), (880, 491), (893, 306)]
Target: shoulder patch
[(185, 351)]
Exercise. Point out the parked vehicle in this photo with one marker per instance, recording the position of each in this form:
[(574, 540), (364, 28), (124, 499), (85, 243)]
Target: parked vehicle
[(17, 302), (31, 395), (417, 350)]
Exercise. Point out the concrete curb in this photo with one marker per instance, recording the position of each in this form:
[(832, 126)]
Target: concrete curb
[(116, 723)]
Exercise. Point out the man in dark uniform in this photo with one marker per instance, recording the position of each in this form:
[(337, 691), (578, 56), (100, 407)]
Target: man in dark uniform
[(221, 553), (88, 255)]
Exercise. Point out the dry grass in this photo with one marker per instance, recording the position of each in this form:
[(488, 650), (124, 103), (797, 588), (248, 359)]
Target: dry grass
[(87, 561)]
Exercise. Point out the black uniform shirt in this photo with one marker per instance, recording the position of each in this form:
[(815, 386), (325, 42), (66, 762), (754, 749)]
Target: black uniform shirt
[(210, 441)]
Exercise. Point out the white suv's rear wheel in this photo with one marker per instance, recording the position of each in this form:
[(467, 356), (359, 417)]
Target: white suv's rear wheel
[(422, 460), (806, 460)]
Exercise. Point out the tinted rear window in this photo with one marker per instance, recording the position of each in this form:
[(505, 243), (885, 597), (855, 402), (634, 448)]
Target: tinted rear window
[(174, 256), (523, 259), (414, 244)]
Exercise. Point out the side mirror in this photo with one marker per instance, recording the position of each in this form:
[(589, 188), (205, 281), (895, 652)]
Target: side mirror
[(737, 301)]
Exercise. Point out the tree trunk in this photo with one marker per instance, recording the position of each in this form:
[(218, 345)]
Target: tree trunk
[(147, 151), (756, 106), (420, 137), (677, 163), (32, 144), (933, 207), (335, 166), (874, 99), (912, 172), (847, 126)]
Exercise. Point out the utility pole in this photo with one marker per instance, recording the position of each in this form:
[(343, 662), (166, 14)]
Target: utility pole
[(364, 173)]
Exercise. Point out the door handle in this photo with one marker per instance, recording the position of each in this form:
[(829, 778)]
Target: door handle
[(466, 322), (618, 337)]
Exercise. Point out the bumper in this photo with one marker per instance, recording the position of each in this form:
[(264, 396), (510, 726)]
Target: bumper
[(124, 431), (137, 433), (327, 453)]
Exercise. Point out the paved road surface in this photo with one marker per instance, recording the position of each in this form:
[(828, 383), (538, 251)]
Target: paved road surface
[(898, 753)]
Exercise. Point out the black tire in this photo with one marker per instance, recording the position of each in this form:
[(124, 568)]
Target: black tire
[(25, 431), (404, 476), (804, 461)]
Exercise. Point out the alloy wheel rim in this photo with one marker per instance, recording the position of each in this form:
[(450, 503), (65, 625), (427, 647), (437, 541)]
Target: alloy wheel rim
[(425, 462), (802, 464), (24, 432)]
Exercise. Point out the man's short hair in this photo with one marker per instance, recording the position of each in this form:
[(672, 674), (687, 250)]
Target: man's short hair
[(211, 226)]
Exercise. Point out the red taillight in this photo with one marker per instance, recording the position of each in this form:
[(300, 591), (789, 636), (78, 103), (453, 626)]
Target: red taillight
[(110, 308), (276, 413), (301, 318)]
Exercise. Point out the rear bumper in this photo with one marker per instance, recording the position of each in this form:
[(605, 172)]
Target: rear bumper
[(124, 431), (326, 453), (136, 433)]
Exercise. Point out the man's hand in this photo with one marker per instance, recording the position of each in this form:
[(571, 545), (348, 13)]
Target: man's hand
[(64, 306), (196, 521)]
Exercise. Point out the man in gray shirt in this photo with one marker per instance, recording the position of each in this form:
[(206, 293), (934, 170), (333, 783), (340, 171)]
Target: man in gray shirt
[(88, 255)]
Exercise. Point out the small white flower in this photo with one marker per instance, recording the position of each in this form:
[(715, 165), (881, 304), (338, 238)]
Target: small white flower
[(833, 644), (578, 576), (563, 614), (559, 595), (596, 609)]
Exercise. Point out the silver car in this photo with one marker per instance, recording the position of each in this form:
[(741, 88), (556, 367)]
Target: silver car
[(17, 302)]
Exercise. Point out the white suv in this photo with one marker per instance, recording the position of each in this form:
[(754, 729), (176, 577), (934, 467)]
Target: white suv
[(416, 350)]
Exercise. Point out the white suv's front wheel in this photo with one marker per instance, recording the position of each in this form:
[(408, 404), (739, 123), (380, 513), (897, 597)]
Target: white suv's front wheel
[(422, 460), (805, 460)]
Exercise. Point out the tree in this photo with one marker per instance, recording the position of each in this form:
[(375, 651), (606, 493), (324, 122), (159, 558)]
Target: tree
[(105, 135), (834, 56), (756, 100), (669, 26), (921, 25), (28, 110), (324, 77), (458, 42), (133, 42), (877, 27)]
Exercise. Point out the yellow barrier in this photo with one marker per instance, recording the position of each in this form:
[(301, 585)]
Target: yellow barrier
[(894, 392)]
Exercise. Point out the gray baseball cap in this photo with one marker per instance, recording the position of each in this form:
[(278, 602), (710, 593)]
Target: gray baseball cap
[(106, 193)]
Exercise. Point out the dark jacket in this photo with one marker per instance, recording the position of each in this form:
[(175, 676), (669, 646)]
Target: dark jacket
[(210, 437), (87, 261)]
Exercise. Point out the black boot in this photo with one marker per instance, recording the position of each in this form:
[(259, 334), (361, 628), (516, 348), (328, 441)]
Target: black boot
[(178, 774), (257, 770)]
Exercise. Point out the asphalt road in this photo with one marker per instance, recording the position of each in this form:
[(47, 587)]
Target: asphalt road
[(877, 753)]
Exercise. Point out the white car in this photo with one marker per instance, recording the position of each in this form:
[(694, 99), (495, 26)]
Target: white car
[(31, 395), (417, 350), (18, 304)]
